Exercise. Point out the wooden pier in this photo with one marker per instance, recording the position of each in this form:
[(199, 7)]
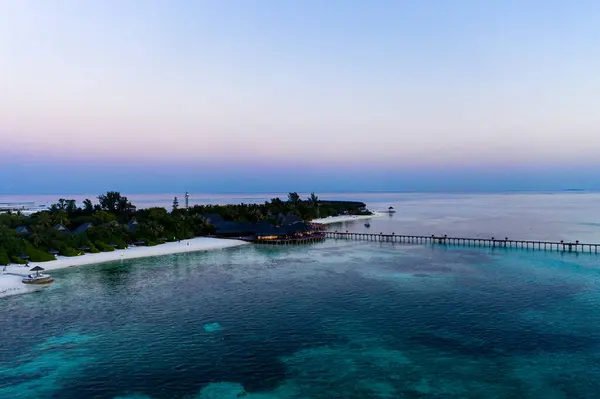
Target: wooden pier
[(313, 238), (561, 246)]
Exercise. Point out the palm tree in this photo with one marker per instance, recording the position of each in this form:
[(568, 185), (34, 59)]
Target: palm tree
[(62, 203), (314, 201), (44, 220), (61, 217), (254, 214), (88, 206), (36, 235), (70, 206), (294, 198)]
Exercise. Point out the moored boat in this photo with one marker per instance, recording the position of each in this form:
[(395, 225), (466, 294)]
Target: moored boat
[(37, 278)]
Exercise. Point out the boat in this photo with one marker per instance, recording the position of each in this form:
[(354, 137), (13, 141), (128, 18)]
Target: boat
[(367, 224), (37, 278), (391, 210)]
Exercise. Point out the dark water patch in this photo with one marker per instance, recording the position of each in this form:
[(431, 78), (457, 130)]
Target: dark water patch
[(249, 354), (498, 342), (261, 324)]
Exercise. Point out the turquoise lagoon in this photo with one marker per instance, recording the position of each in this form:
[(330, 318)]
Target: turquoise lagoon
[(332, 320)]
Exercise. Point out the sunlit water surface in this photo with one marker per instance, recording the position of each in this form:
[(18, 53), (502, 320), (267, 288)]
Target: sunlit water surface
[(332, 320)]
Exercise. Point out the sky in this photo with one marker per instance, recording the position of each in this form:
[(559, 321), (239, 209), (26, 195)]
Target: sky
[(152, 96)]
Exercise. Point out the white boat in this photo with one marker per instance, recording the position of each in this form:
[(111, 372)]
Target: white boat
[(391, 210), (37, 278)]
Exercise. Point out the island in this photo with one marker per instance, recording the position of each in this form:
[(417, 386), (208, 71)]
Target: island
[(113, 223)]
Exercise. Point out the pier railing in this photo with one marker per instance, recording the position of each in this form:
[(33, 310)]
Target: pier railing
[(563, 246)]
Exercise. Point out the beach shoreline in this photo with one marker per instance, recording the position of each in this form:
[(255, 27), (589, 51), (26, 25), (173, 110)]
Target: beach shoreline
[(345, 218), (11, 275)]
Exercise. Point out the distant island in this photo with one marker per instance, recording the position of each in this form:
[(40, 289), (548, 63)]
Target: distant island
[(113, 222)]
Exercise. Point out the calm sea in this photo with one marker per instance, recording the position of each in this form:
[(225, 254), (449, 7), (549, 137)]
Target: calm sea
[(331, 320)]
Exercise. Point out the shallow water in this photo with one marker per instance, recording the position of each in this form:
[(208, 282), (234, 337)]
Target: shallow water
[(333, 320)]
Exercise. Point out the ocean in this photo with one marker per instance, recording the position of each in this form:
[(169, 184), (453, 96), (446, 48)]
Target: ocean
[(337, 319)]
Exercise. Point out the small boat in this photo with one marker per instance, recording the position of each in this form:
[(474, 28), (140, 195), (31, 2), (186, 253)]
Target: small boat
[(367, 224), (37, 278), (391, 210)]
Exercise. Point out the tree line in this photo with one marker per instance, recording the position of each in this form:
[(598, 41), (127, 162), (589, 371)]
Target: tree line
[(114, 222)]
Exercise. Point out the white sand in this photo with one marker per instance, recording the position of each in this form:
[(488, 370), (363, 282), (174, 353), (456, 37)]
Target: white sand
[(345, 218), (11, 284)]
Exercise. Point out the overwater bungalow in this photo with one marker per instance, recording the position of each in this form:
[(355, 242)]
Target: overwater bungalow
[(265, 232), (298, 232)]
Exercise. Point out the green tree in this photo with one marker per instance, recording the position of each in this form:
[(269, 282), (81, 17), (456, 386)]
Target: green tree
[(104, 217), (36, 235), (88, 207), (62, 204), (71, 206), (175, 204), (44, 220), (114, 202), (10, 241), (61, 217), (153, 229), (4, 258), (314, 201), (294, 198), (157, 214)]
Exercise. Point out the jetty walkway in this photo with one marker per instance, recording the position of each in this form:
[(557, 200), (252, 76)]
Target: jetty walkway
[(561, 246)]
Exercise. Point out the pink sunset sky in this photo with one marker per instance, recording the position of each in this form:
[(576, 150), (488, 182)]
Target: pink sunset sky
[(396, 86)]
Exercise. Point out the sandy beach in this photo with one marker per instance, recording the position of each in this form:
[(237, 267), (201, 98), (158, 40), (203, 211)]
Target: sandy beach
[(345, 218), (10, 284), (10, 277)]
